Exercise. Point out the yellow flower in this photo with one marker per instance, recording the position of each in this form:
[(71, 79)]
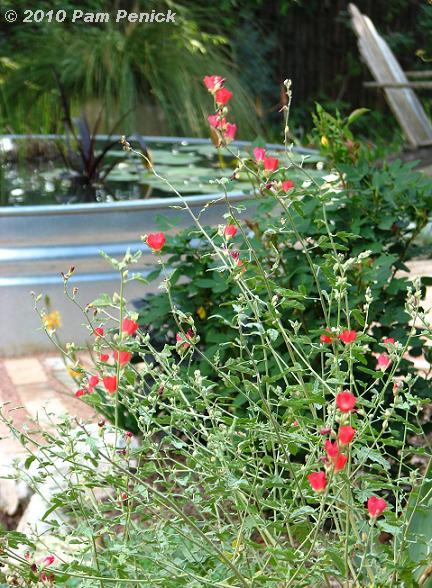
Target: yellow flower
[(324, 141), (52, 320), (73, 373), (201, 312)]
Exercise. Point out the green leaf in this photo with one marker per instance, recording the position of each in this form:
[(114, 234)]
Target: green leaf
[(103, 300), (273, 334), (30, 459), (365, 454), (358, 315), (14, 539), (357, 113)]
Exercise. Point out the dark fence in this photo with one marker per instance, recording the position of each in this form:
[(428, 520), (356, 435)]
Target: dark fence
[(317, 49)]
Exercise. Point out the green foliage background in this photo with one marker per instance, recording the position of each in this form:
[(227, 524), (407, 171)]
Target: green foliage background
[(255, 44)]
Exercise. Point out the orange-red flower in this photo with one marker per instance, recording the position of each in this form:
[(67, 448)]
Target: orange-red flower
[(331, 448), (388, 340), (212, 83), (318, 481), (93, 381), (181, 339), (110, 383), (98, 331), (270, 163), (339, 462), (287, 185), (230, 131), (129, 326), (383, 361), (337, 458), (223, 96), (156, 241), (215, 120), (259, 153), (326, 338), (346, 434), (104, 356), (345, 401), (48, 560), (230, 231), (122, 356), (376, 506), (348, 336)]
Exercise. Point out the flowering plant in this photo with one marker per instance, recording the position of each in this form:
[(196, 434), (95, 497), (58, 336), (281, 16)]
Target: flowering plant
[(310, 484)]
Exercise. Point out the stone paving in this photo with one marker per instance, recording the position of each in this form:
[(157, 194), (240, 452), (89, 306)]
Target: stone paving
[(37, 387)]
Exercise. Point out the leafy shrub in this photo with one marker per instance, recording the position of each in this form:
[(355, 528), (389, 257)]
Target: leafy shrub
[(379, 210), (299, 489)]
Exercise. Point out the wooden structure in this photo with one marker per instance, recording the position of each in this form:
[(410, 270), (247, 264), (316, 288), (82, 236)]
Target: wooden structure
[(389, 76)]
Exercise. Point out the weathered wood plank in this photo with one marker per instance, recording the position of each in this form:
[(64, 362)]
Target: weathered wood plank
[(417, 85), (386, 70), (424, 73)]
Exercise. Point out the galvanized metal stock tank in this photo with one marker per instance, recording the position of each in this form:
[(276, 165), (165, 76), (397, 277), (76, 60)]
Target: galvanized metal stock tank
[(39, 242)]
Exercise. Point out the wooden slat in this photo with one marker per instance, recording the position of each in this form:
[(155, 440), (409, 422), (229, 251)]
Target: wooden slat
[(424, 73), (417, 85), (386, 70)]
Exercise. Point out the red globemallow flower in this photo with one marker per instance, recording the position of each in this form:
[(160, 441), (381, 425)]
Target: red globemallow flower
[(93, 381), (214, 120), (287, 185), (230, 231), (326, 338), (348, 336), (376, 506), (270, 163), (259, 153), (223, 96), (104, 357), (212, 83), (230, 131), (331, 448), (383, 361), (110, 383), (122, 356), (156, 241), (339, 462), (99, 332), (81, 392), (388, 340), (318, 481), (48, 560), (345, 401), (180, 338), (346, 434), (129, 326)]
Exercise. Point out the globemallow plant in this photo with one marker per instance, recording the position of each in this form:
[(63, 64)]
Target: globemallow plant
[(310, 485)]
